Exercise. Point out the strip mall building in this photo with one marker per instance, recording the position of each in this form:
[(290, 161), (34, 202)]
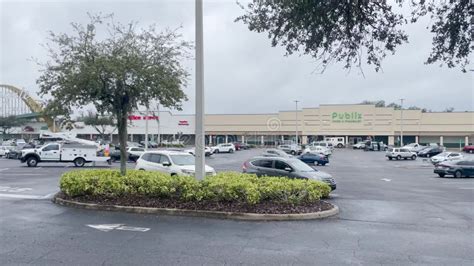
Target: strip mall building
[(353, 122)]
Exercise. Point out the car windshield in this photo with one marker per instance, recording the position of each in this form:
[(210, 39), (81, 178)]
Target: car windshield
[(443, 154), (301, 166), (182, 159)]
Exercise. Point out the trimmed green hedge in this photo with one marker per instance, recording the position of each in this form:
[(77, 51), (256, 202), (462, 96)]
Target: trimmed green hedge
[(224, 187)]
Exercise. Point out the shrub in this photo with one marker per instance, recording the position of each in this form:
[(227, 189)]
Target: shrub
[(231, 186), (223, 187)]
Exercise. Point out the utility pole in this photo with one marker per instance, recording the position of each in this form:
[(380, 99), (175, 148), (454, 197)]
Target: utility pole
[(158, 120), (296, 120), (146, 129), (199, 130), (401, 122)]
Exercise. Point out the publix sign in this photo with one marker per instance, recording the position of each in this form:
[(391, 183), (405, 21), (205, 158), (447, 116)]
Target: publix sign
[(346, 117)]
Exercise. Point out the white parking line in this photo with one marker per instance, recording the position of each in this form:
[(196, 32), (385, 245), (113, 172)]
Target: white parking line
[(469, 188), (3, 169), (21, 196)]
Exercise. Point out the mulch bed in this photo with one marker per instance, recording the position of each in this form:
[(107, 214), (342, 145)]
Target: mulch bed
[(262, 208)]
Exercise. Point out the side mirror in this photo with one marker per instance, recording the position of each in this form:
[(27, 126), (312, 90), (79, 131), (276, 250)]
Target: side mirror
[(288, 169), (166, 164)]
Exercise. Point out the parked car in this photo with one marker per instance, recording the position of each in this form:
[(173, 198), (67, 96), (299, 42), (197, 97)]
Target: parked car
[(430, 151), (412, 146), (457, 169), (4, 150), (326, 144), (375, 146), (286, 167), (468, 148), (151, 144), (134, 153), (276, 153), (207, 151), (419, 148), (359, 145), (400, 153), (314, 158), (223, 147), (446, 156), (292, 149), (171, 162), (318, 149)]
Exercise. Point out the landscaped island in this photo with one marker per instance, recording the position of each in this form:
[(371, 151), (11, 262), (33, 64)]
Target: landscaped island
[(225, 192)]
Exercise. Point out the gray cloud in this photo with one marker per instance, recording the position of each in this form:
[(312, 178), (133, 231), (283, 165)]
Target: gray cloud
[(243, 73)]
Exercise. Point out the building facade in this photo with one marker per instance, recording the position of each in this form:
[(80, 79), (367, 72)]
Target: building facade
[(354, 122)]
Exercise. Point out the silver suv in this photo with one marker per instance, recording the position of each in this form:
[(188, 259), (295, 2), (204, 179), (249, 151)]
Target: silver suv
[(400, 153), (286, 167)]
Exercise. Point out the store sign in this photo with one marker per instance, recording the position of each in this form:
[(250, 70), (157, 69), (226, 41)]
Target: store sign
[(346, 117), (183, 123), (140, 117)]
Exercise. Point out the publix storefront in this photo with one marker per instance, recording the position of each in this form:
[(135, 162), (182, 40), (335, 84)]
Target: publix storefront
[(353, 122)]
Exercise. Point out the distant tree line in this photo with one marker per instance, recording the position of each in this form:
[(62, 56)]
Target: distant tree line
[(381, 103)]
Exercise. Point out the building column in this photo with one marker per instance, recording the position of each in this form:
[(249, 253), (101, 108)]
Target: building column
[(466, 141), (441, 140), (226, 139), (131, 137), (304, 140), (262, 140), (347, 141), (391, 140), (416, 139), (243, 139), (90, 137), (210, 140)]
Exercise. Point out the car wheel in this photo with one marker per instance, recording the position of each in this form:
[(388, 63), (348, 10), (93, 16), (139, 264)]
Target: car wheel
[(441, 175), (79, 162), (293, 152), (216, 151), (340, 145), (399, 157), (231, 151), (32, 162), (390, 158), (413, 157), (458, 174)]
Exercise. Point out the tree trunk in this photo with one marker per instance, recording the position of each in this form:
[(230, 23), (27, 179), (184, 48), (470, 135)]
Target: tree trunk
[(122, 132)]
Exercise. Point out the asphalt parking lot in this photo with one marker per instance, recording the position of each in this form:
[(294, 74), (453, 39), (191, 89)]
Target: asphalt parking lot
[(391, 212)]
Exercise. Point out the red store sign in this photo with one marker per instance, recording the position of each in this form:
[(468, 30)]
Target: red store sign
[(140, 117), (183, 123)]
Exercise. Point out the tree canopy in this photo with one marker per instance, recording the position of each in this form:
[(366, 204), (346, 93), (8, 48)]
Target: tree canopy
[(360, 31), (99, 122), (126, 68)]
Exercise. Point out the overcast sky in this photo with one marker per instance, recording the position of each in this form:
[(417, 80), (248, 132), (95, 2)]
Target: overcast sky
[(243, 73)]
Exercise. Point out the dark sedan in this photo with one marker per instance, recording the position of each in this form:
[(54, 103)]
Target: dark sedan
[(311, 158), (457, 169), (430, 152)]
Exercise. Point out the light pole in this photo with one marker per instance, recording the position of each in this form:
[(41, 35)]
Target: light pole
[(199, 129), (296, 120), (401, 122), (146, 129)]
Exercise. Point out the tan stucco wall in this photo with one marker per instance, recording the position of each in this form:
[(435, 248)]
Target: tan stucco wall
[(319, 121)]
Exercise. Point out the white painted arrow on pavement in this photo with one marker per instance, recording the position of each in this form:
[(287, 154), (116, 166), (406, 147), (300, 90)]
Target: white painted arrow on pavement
[(386, 179), (122, 227)]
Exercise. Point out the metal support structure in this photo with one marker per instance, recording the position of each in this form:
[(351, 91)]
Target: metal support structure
[(296, 121), (146, 128), (199, 132)]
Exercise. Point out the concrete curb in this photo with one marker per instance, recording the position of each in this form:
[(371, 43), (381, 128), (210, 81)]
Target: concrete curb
[(199, 213)]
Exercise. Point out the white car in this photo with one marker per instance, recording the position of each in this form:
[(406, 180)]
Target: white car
[(323, 144), (223, 147), (400, 153), (446, 156), (359, 145), (171, 162), (134, 153), (4, 150), (318, 149), (207, 151), (412, 146)]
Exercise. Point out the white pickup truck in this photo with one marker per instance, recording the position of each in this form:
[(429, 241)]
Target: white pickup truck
[(77, 153)]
